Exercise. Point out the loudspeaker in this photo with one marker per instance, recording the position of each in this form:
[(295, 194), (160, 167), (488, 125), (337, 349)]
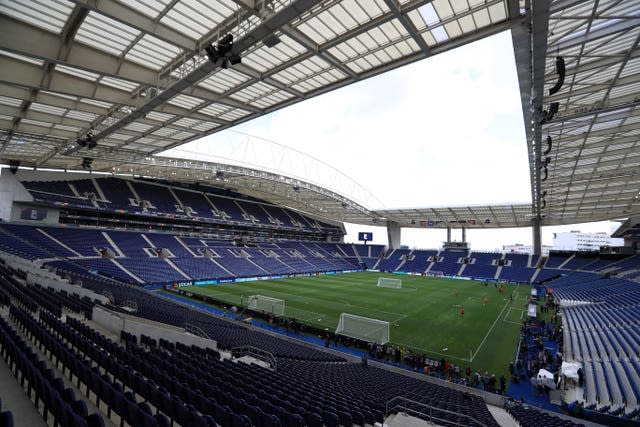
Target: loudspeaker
[(560, 70), (549, 145), (14, 165)]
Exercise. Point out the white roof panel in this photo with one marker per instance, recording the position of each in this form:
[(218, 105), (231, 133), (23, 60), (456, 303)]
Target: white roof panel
[(106, 34), (123, 48), (152, 52), (48, 14), (151, 8)]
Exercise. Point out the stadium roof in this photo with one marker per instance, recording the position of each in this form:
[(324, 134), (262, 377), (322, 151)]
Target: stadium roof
[(593, 170), (134, 73)]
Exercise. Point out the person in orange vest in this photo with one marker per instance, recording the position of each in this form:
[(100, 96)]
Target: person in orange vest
[(462, 311)]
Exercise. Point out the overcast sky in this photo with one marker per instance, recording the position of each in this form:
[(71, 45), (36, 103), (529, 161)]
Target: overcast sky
[(444, 131)]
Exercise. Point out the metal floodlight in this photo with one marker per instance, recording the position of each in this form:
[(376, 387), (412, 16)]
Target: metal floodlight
[(91, 141), (226, 40), (271, 41), (234, 59), (560, 70), (212, 53), (86, 162)]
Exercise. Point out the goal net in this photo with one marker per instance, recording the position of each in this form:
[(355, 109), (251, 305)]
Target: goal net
[(435, 274), (266, 304), (363, 328), (385, 282)]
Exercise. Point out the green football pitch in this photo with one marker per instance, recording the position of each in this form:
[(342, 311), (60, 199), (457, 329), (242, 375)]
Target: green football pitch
[(424, 314)]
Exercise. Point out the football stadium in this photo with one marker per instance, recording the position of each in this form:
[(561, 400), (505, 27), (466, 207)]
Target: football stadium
[(143, 287)]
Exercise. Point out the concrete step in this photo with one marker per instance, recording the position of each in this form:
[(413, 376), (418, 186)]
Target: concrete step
[(402, 419), (502, 417)]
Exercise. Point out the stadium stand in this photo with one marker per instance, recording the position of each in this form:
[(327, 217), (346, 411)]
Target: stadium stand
[(418, 261), (599, 317), (597, 320), (609, 358), (346, 392), (481, 266), (448, 262), (153, 199), (393, 259), (528, 416)]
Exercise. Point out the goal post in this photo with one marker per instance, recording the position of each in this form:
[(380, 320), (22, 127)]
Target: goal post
[(363, 328), (266, 304), (386, 282)]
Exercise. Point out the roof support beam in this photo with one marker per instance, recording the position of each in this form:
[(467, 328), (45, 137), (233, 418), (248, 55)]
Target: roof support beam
[(540, 26), (86, 58), (311, 46), (132, 18), (580, 38), (592, 88), (273, 23), (40, 116), (407, 24), (22, 74), (46, 98)]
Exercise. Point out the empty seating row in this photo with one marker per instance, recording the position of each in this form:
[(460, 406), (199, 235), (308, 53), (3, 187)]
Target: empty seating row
[(58, 401), (151, 198)]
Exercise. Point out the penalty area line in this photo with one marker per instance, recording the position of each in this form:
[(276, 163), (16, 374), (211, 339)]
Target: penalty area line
[(402, 317)]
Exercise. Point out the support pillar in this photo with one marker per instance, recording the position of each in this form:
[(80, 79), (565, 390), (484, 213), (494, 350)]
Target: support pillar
[(536, 228), (464, 235), (448, 234), (393, 234)]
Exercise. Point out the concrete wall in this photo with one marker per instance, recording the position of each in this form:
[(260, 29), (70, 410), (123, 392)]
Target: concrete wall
[(39, 175), (10, 190), (14, 197), (116, 322)]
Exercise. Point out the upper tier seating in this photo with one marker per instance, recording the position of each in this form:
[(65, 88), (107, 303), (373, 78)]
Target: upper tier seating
[(133, 195)]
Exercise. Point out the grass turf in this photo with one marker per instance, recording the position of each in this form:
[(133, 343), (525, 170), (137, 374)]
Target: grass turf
[(424, 314)]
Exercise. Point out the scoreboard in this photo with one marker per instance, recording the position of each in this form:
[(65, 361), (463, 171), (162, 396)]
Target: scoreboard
[(365, 236)]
